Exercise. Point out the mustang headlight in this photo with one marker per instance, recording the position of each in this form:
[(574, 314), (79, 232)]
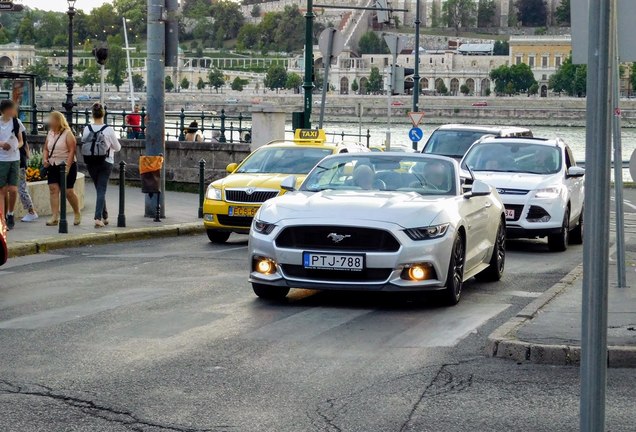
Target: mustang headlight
[(426, 233), (214, 194), (262, 227), (548, 193)]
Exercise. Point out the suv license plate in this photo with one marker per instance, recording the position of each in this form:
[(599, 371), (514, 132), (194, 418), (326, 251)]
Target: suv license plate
[(510, 214), (321, 261)]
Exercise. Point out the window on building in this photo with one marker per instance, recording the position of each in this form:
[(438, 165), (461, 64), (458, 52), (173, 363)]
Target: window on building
[(531, 61), (544, 62), (371, 60), (386, 61), (518, 60), (442, 60), (544, 77), (557, 62), (407, 60), (430, 60)]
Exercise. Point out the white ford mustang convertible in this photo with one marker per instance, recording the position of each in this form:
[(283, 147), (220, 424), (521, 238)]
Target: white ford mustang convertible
[(382, 222)]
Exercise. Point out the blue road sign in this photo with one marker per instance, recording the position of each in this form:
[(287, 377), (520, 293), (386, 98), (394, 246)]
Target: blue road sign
[(416, 134)]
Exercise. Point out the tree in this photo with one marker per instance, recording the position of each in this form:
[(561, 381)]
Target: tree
[(375, 84), (169, 84), (228, 19), (435, 15), (501, 48), (138, 82), (534, 88), (195, 8), (371, 43), (116, 63), (185, 84), (486, 10), (248, 37), (41, 71), (90, 77), (441, 88), (239, 84), (632, 77), (216, 79), (512, 79), (570, 78), (135, 13), (464, 89), (200, 84), (532, 13), (293, 82), (276, 77), (355, 86), (459, 13), (256, 11), (562, 13)]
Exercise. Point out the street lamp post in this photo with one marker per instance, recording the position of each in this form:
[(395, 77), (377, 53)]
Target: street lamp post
[(416, 70), (308, 85), (69, 104)]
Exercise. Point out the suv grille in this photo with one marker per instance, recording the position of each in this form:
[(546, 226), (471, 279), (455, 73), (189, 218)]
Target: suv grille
[(367, 275), (237, 221), (241, 196), (320, 237), (518, 208), (506, 191)]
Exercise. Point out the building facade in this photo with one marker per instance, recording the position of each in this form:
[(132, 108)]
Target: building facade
[(16, 58)]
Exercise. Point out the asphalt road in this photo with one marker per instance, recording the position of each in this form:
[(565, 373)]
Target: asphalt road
[(166, 335)]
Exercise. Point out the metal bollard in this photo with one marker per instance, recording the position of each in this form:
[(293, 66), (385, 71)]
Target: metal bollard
[(182, 125), (121, 217), (222, 138), (201, 186), (63, 227)]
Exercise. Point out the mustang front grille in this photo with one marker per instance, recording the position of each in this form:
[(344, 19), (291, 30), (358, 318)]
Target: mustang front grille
[(368, 275), (337, 238)]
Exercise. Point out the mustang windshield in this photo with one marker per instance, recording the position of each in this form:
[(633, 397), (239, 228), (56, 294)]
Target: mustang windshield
[(283, 160), (514, 158), (375, 172)]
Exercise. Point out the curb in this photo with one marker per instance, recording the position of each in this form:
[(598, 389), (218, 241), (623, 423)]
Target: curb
[(18, 249), (503, 342)]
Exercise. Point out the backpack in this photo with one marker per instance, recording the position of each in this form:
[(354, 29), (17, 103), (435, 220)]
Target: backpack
[(95, 149)]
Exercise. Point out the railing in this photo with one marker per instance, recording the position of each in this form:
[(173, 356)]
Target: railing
[(222, 128)]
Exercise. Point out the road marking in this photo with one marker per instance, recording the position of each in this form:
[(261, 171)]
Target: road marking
[(164, 254), (445, 327), (627, 203), (5, 273), (525, 294), (50, 317)]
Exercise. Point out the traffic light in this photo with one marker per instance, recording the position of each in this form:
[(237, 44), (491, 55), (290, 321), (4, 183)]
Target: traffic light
[(101, 55)]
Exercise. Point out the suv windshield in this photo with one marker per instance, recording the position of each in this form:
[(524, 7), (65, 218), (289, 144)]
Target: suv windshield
[(514, 158), (374, 172), (452, 143), (283, 160)]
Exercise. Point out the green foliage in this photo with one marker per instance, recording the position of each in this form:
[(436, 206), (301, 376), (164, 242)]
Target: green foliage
[(228, 20), (239, 84), (184, 84), (35, 160), (562, 13), (375, 84), (116, 63), (41, 71), (135, 12), (90, 77), (276, 77), (435, 15), (532, 13), (277, 31), (464, 89), (138, 82), (632, 76), (512, 79), (534, 88), (256, 11), (200, 84), (441, 88), (501, 48), (570, 78), (355, 86), (293, 81), (195, 8), (169, 85), (216, 79), (371, 43), (249, 37), (459, 13), (486, 10)]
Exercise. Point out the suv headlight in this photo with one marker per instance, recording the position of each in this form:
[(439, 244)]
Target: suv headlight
[(214, 194), (262, 227), (426, 233), (548, 193)]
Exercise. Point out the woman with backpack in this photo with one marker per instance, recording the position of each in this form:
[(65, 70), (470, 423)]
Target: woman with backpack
[(61, 146), (99, 144)]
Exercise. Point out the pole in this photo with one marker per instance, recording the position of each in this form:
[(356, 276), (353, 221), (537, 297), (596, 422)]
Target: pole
[(618, 156), (308, 85), (390, 98), (121, 217), (101, 85), (596, 246), (69, 104), (325, 83), (63, 224), (416, 69), (130, 80), (155, 123)]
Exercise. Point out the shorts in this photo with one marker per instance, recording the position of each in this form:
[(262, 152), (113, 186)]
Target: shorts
[(53, 175), (9, 173)]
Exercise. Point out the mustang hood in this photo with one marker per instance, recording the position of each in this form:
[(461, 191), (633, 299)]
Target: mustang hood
[(407, 209), (523, 181)]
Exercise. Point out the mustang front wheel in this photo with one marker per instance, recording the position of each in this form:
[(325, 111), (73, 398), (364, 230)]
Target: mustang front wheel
[(455, 277)]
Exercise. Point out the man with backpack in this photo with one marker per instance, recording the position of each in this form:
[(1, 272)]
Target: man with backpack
[(99, 144), (10, 143)]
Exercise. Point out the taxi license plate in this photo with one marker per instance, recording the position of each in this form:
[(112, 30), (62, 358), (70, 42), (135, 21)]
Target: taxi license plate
[(510, 214), (242, 211), (321, 261)]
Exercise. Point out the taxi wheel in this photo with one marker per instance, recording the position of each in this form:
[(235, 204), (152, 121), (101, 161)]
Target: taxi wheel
[(218, 237), (269, 292)]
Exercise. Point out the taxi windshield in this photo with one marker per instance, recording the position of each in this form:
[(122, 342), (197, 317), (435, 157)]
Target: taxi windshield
[(283, 160), (376, 172)]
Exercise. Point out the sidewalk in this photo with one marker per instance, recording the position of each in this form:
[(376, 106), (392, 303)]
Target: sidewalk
[(549, 329), (181, 218)]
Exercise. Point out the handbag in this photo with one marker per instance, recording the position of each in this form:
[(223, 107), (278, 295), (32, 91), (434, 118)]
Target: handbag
[(44, 171)]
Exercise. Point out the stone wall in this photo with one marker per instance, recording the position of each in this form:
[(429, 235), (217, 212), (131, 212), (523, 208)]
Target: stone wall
[(182, 158)]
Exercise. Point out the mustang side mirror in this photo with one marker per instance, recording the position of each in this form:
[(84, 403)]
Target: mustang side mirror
[(288, 184), (479, 189), (575, 172)]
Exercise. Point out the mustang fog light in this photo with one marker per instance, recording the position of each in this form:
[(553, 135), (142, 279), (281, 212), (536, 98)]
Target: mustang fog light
[(264, 266), (418, 272), (208, 217)]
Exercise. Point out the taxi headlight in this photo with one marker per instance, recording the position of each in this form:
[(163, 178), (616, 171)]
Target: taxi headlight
[(214, 194), (262, 227), (426, 233), (548, 193)]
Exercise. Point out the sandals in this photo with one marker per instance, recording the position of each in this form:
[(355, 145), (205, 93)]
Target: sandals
[(52, 222), (77, 220)]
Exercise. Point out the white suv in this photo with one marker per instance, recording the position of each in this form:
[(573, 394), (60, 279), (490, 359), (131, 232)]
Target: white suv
[(539, 183)]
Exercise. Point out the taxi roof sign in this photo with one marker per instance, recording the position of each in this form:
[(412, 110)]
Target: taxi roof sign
[(310, 135)]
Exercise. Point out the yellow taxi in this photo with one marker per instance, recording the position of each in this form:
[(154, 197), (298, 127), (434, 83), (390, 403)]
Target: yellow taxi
[(231, 203)]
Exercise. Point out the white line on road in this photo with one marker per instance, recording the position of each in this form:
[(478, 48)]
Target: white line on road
[(627, 203), (524, 294), (164, 254)]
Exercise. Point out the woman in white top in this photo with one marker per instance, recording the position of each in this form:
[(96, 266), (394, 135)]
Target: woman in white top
[(61, 146), (100, 170)]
